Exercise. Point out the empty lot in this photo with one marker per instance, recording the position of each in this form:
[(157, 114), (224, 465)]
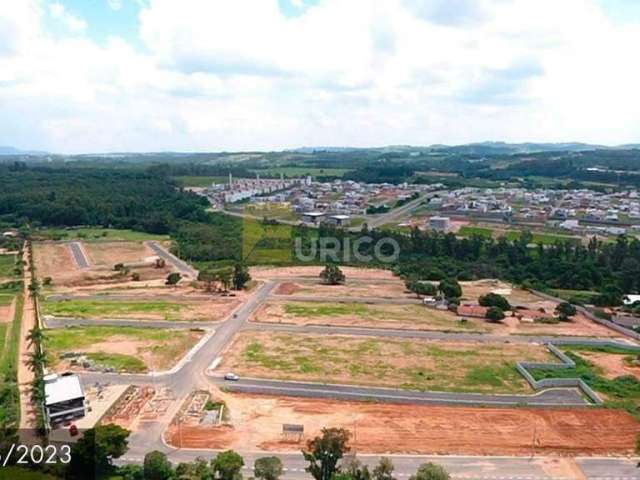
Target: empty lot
[(256, 423), (407, 364), (125, 349)]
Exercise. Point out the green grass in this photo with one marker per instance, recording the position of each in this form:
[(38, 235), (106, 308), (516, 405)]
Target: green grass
[(544, 238), (266, 244), (105, 308), (406, 364), (3, 334), (10, 406), (6, 298), (584, 296), (118, 361), (97, 234), (468, 231), (194, 181), (24, 473), (622, 392), (7, 264), (327, 310), (303, 171)]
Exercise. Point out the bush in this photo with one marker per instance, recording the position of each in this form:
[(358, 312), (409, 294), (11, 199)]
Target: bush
[(495, 314)]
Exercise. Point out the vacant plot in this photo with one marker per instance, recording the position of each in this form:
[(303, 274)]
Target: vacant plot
[(409, 364), (124, 349), (97, 307), (314, 272), (7, 264), (108, 254), (55, 260), (97, 234), (413, 317), (352, 288), (256, 423)]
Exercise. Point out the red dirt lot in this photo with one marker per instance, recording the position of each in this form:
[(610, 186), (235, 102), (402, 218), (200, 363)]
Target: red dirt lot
[(256, 422), (261, 273)]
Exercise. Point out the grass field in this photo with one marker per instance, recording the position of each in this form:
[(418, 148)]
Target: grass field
[(271, 210), (127, 349), (111, 308), (408, 364), (467, 231), (7, 264), (96, 234), (194, 181), (584, 296), (621, 391), (302, 171), (401, 316), (9, 395), (266, 244)]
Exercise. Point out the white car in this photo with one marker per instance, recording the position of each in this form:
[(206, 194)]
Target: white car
[(232, 376)]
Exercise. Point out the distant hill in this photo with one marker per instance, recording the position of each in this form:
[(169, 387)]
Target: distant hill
[(16, 151)]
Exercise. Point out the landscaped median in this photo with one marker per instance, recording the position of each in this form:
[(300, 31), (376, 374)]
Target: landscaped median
[(120, 349)]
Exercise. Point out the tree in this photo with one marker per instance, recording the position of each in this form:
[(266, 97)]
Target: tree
[(421, 288), (565, 311), (494, 314), (494, 300), (384, 470), (46, 281), (35, 336), (268, 468), (173, 278), (430, 471), (332, 275), (450, 288), (240, 276), (135, 276), (227, 465), (156, 466), (199, 469), (325, 451), (95, 451)]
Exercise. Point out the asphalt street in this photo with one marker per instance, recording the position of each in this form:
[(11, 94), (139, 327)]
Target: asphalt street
[(78, 255), (183, 267)]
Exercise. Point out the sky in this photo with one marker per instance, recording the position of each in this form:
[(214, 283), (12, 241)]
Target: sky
[(80, 76)]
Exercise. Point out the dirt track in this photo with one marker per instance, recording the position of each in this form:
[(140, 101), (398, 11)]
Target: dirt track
[(257, 423), (25, 375)]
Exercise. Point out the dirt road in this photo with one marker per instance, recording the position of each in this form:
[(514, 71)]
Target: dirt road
[(25, 375)]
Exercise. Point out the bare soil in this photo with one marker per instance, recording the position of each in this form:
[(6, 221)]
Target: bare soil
[(353, 288), (108, 254), (613, 365), (7, 312), (256, 423), (261, 273)]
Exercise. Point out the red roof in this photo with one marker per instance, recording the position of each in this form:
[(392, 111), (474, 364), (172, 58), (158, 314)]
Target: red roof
[(472, 311)]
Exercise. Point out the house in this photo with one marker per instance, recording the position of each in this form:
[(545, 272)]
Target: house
[(64, 398), (629, 299), (312, 217), (476, 311), (339, 220), (440, 224)]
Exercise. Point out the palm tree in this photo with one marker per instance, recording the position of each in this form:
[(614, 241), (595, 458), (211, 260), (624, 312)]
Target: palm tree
[(35, 336), (36, 361)]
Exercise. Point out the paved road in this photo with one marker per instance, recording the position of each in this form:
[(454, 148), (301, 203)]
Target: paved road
[(556, 397), (396, 213), (182, 266), (78, 254), (460, 467)]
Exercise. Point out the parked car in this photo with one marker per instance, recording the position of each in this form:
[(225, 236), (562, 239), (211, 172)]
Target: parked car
[(232, 377)]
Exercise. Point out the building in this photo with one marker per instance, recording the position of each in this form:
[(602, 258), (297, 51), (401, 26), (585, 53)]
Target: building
[(64, 398), (339, 220), (475, 311), (312, 217), (440, 224), (629, 300)]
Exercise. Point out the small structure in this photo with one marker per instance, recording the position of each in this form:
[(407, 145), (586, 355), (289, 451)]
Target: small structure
[(64, 398), (339, 220), (292, 432), (440, 224), (312, 217)]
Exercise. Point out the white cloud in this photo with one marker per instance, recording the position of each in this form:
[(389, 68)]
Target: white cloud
[(73, 22), (115, 4), (240, 75)]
